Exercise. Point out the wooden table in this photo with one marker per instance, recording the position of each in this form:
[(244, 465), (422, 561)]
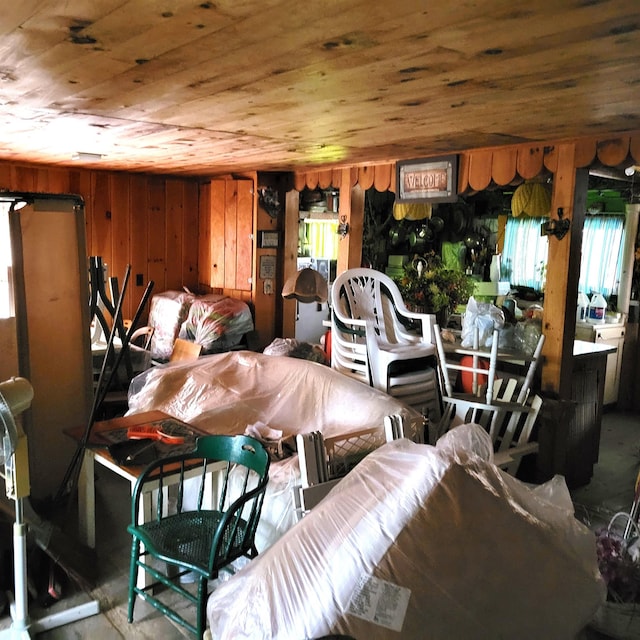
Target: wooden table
[(97, 452)]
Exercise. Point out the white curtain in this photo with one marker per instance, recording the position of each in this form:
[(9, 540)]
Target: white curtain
[(524, 256), (323, 238), (601, 254), (525, 253)]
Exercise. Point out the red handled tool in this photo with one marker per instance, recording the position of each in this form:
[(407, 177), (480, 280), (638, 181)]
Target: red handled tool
[(154, 432)]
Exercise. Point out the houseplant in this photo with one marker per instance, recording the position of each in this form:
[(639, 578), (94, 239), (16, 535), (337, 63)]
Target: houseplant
[(428, 286)]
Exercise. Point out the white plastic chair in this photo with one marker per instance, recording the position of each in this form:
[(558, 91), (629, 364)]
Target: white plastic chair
[(376, 339)]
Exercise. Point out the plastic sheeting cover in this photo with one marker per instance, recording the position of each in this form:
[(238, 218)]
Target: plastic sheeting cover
[(215, 321), (445, 544), (224, 393)]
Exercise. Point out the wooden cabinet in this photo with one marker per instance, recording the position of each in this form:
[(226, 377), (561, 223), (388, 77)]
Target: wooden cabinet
[(226, 233), (612, 335)]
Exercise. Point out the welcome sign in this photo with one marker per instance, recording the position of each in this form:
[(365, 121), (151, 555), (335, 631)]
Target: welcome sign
[(427, 180)]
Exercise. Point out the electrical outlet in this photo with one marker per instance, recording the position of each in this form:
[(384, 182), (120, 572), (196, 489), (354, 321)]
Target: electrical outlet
[(267, 287)]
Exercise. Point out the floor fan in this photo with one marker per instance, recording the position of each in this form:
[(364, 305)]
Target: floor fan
[(15, 397)]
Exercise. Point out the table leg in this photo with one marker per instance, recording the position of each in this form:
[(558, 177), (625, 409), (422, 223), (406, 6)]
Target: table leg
[(87, 500)]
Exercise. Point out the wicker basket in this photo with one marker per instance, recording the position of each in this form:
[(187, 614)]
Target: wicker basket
[(618, 620)]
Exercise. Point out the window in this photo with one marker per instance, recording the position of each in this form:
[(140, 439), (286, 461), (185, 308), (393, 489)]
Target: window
[(601, 254), (321, 239), (524, 256), (6, 281)]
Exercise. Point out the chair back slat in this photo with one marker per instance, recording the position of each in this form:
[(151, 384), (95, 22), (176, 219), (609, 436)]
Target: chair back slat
[(510, 425)]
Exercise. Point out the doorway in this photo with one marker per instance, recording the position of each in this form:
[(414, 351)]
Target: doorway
[(317, 249)]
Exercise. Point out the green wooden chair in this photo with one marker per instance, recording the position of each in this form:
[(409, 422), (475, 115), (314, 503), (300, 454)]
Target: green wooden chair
[(185, 542)]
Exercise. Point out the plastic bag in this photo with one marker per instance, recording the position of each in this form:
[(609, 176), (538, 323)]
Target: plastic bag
[(483, 316), (526, 336)]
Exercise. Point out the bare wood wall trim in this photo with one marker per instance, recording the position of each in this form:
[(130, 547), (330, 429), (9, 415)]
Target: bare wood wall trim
[(481, 168)]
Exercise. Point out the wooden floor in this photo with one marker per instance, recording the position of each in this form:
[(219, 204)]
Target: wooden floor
[(610, 491)]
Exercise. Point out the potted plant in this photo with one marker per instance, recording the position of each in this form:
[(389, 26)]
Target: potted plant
[(428, 286)]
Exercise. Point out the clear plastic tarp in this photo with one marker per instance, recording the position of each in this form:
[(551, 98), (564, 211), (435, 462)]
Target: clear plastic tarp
[(226, 393), (422, 542)]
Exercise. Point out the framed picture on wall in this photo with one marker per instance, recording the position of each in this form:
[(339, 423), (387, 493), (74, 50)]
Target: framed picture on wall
[(427, 180), (267, 269), (268, 239)]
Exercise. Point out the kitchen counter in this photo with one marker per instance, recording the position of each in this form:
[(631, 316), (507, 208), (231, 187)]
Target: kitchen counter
[(587, 399), (570, 431), (583, 349), (580, 324)]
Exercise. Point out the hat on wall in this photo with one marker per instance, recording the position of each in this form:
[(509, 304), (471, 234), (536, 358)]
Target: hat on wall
[(307, 285)]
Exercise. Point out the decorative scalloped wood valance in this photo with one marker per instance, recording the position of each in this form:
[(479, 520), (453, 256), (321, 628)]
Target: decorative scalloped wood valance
[(480, 169)]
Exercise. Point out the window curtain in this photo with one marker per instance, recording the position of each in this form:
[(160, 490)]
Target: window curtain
[(601, 254), (322, 236), (524, 256)]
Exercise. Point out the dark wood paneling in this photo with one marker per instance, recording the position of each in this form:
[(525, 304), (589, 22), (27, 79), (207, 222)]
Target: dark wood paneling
[(157, 233), (139, 217), (190, 234), (175, 233), (120, 234)]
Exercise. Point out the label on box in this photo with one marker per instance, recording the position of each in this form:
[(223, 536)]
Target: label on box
[(380, 602)]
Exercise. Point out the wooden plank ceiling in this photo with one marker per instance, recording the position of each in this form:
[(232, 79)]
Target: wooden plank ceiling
[(199, 88)]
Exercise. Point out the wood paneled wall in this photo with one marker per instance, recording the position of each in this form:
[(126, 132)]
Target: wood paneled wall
[(147, 221)]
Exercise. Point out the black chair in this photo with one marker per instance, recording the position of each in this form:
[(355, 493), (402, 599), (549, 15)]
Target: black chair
[(196, 541)]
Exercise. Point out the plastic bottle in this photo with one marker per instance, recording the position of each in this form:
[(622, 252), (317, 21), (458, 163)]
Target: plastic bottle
[(494, 268), (582, 307), (597, 309)]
